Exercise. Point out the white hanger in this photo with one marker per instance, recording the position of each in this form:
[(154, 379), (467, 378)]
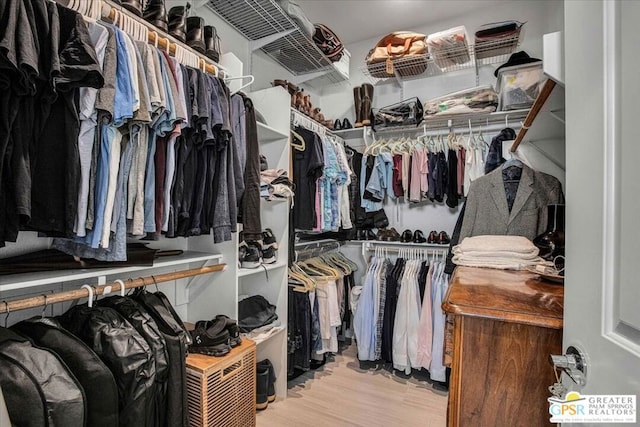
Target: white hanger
[(249, 76), (122, 287), (90, 289)]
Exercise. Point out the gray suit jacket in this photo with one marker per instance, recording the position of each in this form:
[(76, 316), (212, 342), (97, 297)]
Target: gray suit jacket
[(487, 213)]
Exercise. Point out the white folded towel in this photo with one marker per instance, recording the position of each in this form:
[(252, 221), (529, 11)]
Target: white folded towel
[(516, 245)]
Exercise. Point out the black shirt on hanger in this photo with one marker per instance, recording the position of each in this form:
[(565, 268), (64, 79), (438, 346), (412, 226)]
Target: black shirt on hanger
[(308, 166)]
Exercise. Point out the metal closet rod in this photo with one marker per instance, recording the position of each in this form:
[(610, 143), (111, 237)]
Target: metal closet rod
[(42, 300)]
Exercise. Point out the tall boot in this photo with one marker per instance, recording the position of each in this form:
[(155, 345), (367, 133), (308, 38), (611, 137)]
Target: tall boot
[(271, 390), (262, 387), (195, 33), (367, 100), (212, 43), (134, 6), (178, 22), (156, 14), (357, 101)]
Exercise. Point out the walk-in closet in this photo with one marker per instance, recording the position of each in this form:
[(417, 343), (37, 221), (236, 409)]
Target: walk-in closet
[(318, 213)]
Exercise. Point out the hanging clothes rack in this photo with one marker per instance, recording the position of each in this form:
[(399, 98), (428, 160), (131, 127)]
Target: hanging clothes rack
[(110, 12), (399, 247), (306, 250), (299, 119), (44, 300)]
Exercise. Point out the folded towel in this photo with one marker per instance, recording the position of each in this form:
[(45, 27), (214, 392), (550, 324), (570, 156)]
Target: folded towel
[(513, 244), (496, 254), (499, 263)]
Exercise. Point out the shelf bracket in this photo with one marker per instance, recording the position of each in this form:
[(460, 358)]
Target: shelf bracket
[(260, 43)]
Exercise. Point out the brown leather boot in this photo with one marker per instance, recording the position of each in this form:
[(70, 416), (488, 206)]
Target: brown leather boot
[(367, 100), (357, 101)]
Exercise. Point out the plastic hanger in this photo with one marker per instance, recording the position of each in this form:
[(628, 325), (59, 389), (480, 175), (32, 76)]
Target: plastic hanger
[(90, 289)]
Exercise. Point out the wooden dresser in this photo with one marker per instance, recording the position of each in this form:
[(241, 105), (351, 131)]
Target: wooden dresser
[(502, 327)]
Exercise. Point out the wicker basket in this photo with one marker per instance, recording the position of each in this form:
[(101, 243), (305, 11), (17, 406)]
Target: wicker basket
[(222, 390)]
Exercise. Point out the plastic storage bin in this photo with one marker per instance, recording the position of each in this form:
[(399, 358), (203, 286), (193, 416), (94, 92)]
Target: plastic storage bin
[(449, 48), (482, 99), (519, 86)]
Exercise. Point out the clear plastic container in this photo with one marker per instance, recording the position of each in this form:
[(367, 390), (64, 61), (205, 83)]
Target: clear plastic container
[(481, 99), (519, 86), (450, 48)]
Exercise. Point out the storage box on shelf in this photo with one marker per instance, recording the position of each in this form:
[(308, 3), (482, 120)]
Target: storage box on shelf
[(519, 86)]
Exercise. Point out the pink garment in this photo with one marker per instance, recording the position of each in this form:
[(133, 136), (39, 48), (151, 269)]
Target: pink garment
[(461, 163), (425, 327), (318, 226), (419, 170)]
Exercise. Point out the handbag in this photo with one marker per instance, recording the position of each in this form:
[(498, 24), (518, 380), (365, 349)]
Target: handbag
[(328, 42), (404, 51), (407, 112)]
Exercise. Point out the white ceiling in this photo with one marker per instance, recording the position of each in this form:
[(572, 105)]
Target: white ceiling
[(357, 20)]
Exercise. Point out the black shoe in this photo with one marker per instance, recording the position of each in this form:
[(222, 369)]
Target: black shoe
[(443, 238), (178, 22), (210, 338), (252, 256), (231, 326), (262, 387), (212, 43), (418, 237), (268, 239), (195, 33), (271, 389), (346, 124), (156, 14), (369, 235), (134, 6), (407, 236), (337, 125), (269, 256)]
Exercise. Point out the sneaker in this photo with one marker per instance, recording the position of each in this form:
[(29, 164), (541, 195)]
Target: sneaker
[(210, 338), (268, 239), (231, 326), (271, 389), (242, 248), (252, 257), (269, 255)]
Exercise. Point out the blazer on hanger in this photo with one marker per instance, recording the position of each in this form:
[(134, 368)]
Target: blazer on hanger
[(487, 213)]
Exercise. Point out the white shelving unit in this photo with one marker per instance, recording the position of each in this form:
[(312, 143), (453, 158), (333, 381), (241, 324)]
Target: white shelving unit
[(269, 280)]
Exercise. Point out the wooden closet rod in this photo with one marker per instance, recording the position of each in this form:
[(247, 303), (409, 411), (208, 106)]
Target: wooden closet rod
[(533, 113), (39, 301), (109, 12)]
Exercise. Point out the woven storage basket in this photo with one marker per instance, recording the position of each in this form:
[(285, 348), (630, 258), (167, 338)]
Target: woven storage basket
[(222, 390)]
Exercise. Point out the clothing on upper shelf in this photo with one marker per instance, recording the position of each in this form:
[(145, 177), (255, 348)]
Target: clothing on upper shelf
[(136, 143)]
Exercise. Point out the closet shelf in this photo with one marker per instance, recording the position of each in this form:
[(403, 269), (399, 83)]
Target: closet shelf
[(444, 61), (457, 122), (243, 272), (271, 30), (267, 133), (28, 280), (274, 335)]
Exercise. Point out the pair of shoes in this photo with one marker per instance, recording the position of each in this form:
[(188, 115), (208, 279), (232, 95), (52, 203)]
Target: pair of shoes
[(211, 337), (363, 101), (265, 384), (365, 234), (385, 235), (415, 237), (341, 125), (231, 326), (269, 247), (441, 238)]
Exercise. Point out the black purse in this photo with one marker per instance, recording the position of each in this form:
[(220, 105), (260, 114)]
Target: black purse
[(407, 112)]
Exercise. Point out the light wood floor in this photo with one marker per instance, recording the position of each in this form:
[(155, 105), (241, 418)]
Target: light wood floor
[(341, 394)]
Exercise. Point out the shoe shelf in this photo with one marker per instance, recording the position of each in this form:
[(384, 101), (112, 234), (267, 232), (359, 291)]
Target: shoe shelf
[(262, 269), (445, 61), (271, 30), (267, 133), (29, 280)]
